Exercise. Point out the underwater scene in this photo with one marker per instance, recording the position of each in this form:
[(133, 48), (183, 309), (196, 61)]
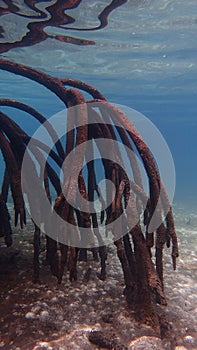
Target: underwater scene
[(98, 190)]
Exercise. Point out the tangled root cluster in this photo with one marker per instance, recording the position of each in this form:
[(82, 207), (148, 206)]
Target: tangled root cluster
[(89, 121)]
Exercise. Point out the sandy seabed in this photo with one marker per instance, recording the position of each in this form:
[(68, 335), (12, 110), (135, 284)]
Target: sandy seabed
[(47, 316)]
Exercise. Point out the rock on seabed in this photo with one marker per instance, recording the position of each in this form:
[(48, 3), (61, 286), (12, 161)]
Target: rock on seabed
[(146, 343)]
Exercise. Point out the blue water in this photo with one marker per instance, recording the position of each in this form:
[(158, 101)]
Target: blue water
[(145, 59)]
